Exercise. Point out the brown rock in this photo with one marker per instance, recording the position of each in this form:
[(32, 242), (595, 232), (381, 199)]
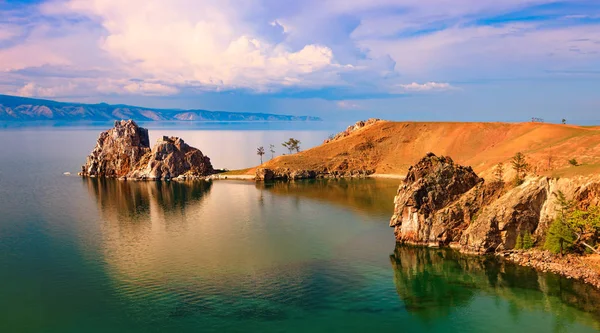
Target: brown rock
[(117, 150), (499, 223), (124, 152), (431, 185), (172, 157)]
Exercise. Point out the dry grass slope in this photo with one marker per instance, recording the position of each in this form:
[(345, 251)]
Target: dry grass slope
[(391, 147)]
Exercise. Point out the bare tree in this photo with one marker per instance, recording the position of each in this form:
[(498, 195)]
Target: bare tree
[(272, 150), (260, 151)]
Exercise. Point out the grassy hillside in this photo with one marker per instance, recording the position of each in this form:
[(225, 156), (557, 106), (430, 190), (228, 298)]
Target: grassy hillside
[(391, 147)]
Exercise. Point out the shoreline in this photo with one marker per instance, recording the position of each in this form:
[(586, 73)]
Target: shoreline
[(570, 266)]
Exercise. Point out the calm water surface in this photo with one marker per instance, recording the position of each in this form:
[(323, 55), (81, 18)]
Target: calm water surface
[(90, 255)]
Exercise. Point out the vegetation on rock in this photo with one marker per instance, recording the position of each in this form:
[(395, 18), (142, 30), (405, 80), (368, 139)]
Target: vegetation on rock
[(574, 229)]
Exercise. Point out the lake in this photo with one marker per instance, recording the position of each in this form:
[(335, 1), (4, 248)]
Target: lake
[(93, 255)]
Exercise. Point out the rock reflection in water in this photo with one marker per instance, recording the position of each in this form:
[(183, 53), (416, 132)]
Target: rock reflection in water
[(132, 200), (433, 283)]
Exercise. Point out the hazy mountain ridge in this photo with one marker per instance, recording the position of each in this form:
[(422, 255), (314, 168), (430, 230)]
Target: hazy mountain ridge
[(16, 108)]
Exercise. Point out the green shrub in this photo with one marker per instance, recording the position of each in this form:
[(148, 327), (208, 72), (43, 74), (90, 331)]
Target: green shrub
[(573, 162)]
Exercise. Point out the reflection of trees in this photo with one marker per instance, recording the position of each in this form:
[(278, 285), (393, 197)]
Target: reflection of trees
[(363, 195), (432, 282)]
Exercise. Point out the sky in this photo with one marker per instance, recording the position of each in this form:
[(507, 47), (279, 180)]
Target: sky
[(445, 60)]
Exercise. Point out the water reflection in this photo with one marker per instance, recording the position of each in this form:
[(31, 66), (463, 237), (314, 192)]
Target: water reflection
[(434, 283), (220, 250), (370, 196)]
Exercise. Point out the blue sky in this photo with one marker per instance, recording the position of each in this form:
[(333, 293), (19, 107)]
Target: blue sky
[(479, 60)]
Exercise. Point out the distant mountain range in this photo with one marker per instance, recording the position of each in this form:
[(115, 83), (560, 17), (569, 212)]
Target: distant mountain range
[(14, 108)]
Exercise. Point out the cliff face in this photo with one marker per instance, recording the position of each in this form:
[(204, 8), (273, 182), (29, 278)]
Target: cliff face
[(444, 204), (124, 152)]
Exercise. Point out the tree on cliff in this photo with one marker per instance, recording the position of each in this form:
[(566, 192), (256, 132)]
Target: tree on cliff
[(291, 145), (260, 151), (499, 173), (272, 150), (520, 165), (573, 228)]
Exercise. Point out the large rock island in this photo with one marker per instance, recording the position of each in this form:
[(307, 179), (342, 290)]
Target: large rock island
[(124, 152)]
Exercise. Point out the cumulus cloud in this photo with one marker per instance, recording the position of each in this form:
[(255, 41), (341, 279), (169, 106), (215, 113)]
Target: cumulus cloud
[(201, 43)]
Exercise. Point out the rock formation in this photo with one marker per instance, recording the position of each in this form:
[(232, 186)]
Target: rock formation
[(352, 128), (431, 185), (117, 150), (444, 204), (124, 152), (170, 158)]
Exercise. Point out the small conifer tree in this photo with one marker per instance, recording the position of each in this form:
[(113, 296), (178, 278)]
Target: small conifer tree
[(519, 243)]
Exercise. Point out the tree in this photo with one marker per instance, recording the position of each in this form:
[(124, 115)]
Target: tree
[(499, 173), (573, 162), (260, 151), (585, 224), (563, 121), (573, 228), (291, 145), (519, 242), (272, 150), (520, 165), (527, 240)]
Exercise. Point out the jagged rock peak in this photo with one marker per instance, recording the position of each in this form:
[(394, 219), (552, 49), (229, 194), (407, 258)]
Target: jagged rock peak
[(117, 150), (124, 152)]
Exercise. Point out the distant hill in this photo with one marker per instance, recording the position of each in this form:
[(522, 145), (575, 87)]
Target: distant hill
[(392, 147), (14, 108)]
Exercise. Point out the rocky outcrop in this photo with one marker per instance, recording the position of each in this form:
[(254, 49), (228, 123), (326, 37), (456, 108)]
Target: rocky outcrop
[(124, 152), (444, 204), (170, 158), (431, 185), (352, 128), (117, 151)]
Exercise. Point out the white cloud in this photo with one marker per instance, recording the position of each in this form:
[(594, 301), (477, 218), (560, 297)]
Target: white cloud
[(202, 43), (428, 86)]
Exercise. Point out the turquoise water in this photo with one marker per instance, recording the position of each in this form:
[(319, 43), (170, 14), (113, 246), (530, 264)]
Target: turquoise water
[(90, 255)]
